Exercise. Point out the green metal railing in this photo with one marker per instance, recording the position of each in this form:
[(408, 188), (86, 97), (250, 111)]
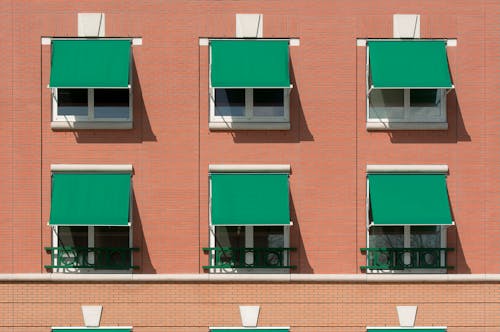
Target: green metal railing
[(91, 258), (248, 258), (406, 258)]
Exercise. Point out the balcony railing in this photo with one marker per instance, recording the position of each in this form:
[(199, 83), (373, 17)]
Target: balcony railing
[(248, 258), (406, 258), (91, 258)]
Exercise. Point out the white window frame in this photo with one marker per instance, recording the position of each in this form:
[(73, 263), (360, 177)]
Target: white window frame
[(248, 229), (247, 122), (407, 240), (90, 117), (407, 123), (64, 168), (249, 117), (90, 244)]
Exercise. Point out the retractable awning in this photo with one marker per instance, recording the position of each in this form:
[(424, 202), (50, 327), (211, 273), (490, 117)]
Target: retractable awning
[(249, 64), (409, 64), (409, 199), (90, 199), (249, 199), (90, 63)]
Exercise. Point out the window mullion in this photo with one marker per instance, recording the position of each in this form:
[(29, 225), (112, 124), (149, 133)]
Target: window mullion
[(249, 256), (407, 104), (91, 104), (407, 236), (249, 103)]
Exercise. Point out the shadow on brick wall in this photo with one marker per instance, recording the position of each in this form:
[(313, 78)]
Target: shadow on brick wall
[(457, 131), (141, 258), (141, 131), (299, 131), (299, 256), (456, 257)]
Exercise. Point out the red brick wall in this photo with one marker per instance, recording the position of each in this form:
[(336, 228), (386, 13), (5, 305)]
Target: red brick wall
[(328, 146), (462, 307)]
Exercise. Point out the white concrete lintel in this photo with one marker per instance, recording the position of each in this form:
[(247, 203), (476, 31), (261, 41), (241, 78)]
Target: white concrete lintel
[(294, 42), (205, 277), (249, 168), (137, 41), (126, 168), (451, 42), (407, 169), (203, 41), (361, 42), (399, 328), (46, 40)]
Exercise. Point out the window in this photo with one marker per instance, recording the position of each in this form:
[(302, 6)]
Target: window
[(92, 105), (90, 216), (407, 83), (92, 248), (407, 217), (92, 91), (250, 105), (249, 84), (249, 219), (250, 247)]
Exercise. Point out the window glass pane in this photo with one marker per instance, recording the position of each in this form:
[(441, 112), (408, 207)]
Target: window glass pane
[(233, 239), (425, 237), (268, 102), (72, 102), (268, 237), (115, 242), (230, 236), (425, 105), (424, 97), (111, 103), (72, 236), (230, 102), (386, 104), (386, 237)]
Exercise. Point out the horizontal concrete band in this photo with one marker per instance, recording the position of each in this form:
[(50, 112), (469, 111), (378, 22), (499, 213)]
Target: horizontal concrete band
[(407, 168), (126, 168), (356, 278), (261, 168)]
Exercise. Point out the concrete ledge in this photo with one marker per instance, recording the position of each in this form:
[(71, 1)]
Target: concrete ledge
[(407, 126), (249, 125), (406, 169), (127, 168), (76, 125), (312, 278), (225, 168)]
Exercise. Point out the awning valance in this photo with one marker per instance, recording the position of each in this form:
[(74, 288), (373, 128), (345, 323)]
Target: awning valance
[(249, 199), (92, 329), (409, 64), (409, 199), (249, 64), (97, 199), (90, 63)]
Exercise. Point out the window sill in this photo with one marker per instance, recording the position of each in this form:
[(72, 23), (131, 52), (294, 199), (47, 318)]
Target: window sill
[(76, 125), (406, 126), (249, 125)]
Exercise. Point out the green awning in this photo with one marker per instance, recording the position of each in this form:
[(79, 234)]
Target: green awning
[(90, 199), (407, 330), (90, 63), (90, 329), (409, 64), (250, 199), (409, 199), (249, 329), (249, 64)]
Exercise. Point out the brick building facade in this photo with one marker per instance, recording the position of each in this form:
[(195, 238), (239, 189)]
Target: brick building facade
[(317, 137)]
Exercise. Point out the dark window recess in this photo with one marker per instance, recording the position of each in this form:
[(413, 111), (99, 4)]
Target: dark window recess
[(230, 102)]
